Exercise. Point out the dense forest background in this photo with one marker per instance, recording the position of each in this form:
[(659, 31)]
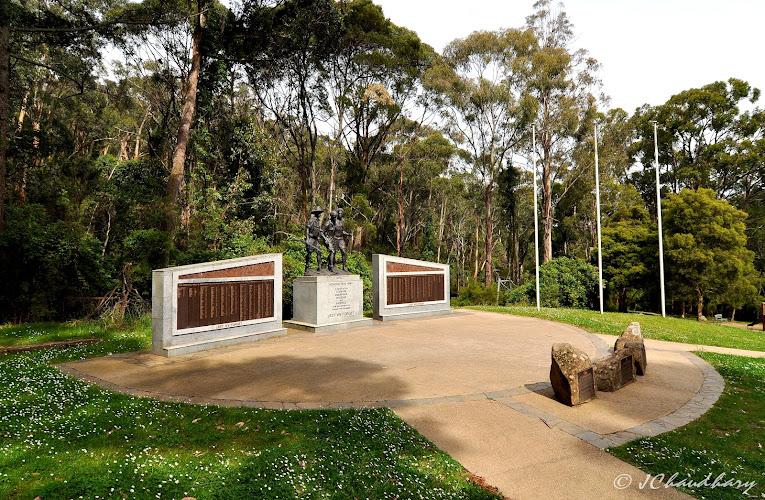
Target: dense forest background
[(137, 136)]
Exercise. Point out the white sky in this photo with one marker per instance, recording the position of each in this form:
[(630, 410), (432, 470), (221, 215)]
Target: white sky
[(648, 49)]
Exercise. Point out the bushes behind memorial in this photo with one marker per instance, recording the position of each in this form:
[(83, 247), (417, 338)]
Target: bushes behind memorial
[(563, 282), (475, 294), (47, 266), (55, 269)]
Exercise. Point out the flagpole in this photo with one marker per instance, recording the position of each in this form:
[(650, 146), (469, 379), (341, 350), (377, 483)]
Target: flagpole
[(658, 217), (536, 214), (597, 211)]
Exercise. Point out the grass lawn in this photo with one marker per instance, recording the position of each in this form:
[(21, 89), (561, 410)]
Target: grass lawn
[(728, 439), (38, 333), (688, 331), (62, 438)]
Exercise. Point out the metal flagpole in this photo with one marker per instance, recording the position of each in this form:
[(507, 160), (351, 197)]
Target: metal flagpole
[(597, 212), (536, 214), (658, 216)]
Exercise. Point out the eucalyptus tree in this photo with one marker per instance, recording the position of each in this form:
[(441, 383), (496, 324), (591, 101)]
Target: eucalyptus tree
[(285, 49), (560, 83), (482, 108), (705, 140), (71, 33)]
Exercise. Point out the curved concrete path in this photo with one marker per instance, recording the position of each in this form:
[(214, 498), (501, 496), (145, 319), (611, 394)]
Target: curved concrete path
[(475, 383)]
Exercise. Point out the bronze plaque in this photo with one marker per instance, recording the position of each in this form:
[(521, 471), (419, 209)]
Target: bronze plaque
[(415, 288), (262, 269), (206, 304), (400, 267), (586, 385), (627, 375)]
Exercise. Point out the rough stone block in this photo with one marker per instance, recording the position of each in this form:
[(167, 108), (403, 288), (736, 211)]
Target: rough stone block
[(630, 334), (637, 349), (614, 371), (571, 375)]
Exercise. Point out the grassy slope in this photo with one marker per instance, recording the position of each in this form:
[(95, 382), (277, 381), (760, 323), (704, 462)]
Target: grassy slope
[(62, 438), (688, 331), (728, 439)]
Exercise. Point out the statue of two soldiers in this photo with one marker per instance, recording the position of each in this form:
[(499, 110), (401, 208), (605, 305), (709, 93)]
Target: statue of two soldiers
[(332, 232)]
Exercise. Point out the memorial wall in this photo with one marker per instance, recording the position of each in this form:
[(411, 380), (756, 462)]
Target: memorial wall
[(407, 288), (202, 306)]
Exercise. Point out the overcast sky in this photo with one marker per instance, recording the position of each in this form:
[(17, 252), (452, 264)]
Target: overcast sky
[(648, 49)]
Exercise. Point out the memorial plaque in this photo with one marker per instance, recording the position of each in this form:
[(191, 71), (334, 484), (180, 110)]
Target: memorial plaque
[(627, 373), (341, 307), (262, 269), (210, 304), (415, 288), (586, 385)]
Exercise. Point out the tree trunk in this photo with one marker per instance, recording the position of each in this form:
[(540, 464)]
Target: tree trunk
[(489, 240), (400, 202), (441, 228), (682, 309), (5, 63), (700, 308), (137, 149), (175, 182), (475, 254), (22, 113), (547, 219), (733, 314)]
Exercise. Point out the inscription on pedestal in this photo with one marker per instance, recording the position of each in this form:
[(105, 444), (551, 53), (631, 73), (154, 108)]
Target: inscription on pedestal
[(340, 305), (627, 370)]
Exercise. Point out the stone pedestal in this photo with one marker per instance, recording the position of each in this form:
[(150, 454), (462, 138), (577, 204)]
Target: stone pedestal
[(329, 302), (637, 350)]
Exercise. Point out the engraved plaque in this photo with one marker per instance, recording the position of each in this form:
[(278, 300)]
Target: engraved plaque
[(205, 304), (415, 288), (586, 385), (341, 306), (626, 367)]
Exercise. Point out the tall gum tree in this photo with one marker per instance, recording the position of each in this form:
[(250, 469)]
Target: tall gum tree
[(482, 108), (560, 82), (285, 50), (198, 17)]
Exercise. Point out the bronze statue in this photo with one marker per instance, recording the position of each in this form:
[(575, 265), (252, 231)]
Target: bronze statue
[(339, 236), (312, 234), (328, 231)]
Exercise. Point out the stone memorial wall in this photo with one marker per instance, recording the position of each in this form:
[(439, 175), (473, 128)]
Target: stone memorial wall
[(407, 288), (203, 306)]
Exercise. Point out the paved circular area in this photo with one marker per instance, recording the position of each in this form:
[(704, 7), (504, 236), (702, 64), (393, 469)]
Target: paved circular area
[(467, 356)]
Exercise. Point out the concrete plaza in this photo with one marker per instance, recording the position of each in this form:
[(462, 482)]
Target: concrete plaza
[(475, 383)]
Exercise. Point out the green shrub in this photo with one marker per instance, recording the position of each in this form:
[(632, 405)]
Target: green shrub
[(475, 294), (47, 269), (563, 282)]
